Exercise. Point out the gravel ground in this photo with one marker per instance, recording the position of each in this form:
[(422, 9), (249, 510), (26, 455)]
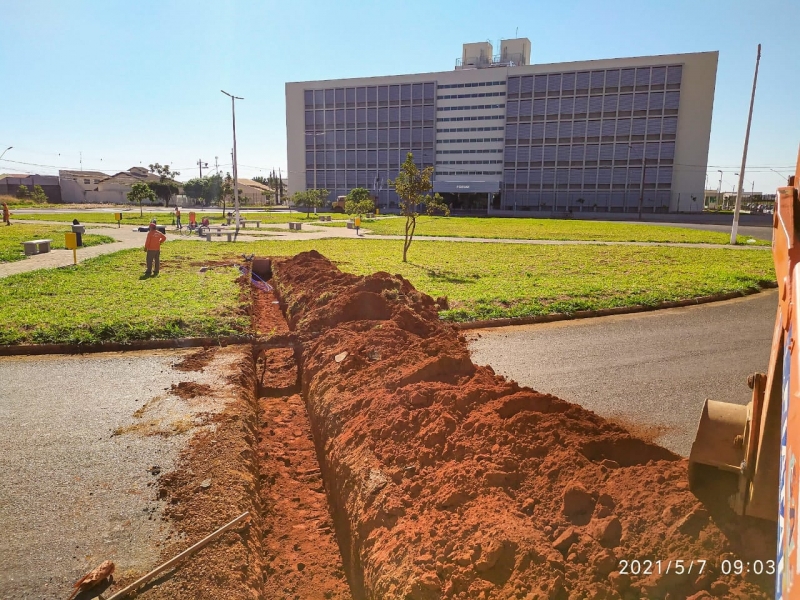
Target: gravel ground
[(77, 487), (649, 371)]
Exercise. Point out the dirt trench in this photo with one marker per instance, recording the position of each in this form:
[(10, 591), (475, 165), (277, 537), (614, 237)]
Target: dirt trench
[(301, 555), (448, 481)]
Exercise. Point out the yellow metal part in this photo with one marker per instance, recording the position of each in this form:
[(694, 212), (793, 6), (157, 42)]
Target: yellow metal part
[(719, 441)]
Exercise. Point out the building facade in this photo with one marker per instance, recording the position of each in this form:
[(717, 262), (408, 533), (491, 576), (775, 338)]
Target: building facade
[(507, 137)]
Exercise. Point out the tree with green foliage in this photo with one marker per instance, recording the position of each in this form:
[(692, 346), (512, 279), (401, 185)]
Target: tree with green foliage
[(310, 199), (413, 186), (195, 188), (276, 184), (226, 191), (22, 192), (39, 197), (140, 192), (166, 187), (359, 202)]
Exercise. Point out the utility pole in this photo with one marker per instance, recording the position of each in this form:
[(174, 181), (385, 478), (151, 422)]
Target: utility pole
[(235, 170), (738, 207), (216, 165), (201, 164), (641, 187), (280, 186)]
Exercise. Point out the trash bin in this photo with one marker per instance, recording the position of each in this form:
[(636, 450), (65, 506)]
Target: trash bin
[(79, 230)]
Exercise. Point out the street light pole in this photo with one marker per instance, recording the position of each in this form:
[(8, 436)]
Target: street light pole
[(4, 151), (235, 170), (744, 153), (719, 190)]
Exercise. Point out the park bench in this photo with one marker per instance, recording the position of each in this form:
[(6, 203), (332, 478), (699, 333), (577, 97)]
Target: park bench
[(296, 226), (36, 247), (244, 222), (218, 231), (325, 218), (351, 224)]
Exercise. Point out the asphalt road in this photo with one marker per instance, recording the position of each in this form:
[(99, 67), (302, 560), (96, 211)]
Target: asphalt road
[(649, 371), (74, 492)]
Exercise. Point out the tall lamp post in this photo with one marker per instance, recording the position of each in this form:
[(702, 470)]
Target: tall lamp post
[(738, 206), (719, 190), (4, 151), (235, 170)]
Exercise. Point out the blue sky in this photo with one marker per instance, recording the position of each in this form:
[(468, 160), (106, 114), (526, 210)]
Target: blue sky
[(130, 83)]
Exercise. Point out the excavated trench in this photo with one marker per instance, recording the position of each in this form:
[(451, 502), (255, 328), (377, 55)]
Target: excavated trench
[(379, 462)]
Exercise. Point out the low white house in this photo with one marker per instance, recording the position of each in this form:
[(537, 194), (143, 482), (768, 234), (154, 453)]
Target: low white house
[(103, 190)]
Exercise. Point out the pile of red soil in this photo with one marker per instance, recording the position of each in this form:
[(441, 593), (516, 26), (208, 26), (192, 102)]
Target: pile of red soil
[(196, 361), (191, 389), (448, 481)]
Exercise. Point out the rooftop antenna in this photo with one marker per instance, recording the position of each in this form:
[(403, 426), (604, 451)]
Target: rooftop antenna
[(516, 33)]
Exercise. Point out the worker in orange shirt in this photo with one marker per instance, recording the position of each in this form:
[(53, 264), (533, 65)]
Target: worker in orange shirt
[(178, 218), (152, 246), (6, 214)]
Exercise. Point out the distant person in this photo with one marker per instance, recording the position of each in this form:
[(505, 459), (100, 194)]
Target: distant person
[(152, 246), (192, 221), (178, 218), (6, 214)]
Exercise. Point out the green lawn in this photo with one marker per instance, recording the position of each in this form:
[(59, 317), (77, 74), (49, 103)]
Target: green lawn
[(11, 238), (104, 299), (131, 217), (550, 229)]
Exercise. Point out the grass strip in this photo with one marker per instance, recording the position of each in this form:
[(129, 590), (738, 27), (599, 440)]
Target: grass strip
[(11, 238), (104, 299), (551, 229)]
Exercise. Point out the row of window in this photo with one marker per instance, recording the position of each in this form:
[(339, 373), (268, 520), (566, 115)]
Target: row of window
[(353, 117), (554, 108), (608, 79), (469, 162), (468, 172), (468, 85), (471, 107), (464, 141), (476, 95), (361, 137), (365, 159), (339, 97), (614, 201), (471, 151), (483, 118), (592, 128), (579, 152), (462, 129), (589, 177)]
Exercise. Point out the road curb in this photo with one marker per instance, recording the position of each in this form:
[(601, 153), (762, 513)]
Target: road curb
[(39, 349), (604, 312)]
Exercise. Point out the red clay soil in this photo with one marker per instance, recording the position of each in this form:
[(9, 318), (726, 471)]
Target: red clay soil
[(196, 361), (216, 480), (190, 389), (267, 318), (301, 556), (448, 481)]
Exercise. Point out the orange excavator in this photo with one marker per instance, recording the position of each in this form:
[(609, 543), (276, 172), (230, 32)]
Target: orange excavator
[(757, 447)]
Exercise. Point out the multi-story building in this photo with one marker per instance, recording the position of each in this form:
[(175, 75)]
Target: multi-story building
[(506, 136)]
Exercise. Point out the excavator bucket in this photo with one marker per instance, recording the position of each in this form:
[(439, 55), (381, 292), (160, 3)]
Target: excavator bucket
[(718, 445)]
